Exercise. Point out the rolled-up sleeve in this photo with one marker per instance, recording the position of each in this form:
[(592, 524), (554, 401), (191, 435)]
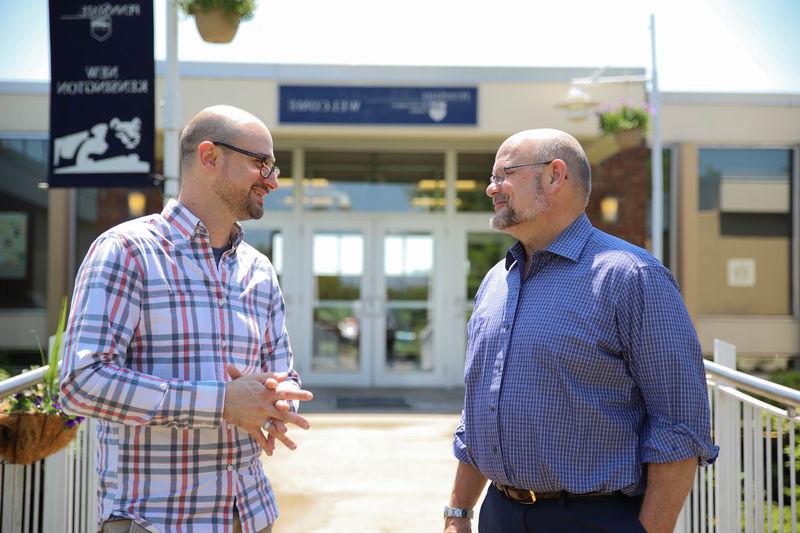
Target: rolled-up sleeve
[(460, 443), (666, 362)]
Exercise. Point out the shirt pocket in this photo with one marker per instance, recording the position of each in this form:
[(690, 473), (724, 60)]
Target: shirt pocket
[(475, 340)]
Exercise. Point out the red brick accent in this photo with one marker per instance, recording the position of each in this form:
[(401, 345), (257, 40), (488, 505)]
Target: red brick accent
[(112, 206), (626, 176)]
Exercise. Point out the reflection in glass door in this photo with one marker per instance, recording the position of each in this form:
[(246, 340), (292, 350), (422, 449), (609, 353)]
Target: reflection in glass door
[(408, 292), (338, 269)]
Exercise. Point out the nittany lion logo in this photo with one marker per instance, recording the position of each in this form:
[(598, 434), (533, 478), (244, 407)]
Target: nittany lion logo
[(82, 152)]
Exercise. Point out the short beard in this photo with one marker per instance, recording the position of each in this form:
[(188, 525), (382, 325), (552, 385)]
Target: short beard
[(242, 208), (509, 217)]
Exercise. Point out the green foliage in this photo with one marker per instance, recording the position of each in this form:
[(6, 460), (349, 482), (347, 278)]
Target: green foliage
[(624, 118), (788, 378), (242, 9), (44, 397)]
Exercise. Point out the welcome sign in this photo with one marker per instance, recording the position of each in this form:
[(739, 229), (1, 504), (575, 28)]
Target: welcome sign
[(102, 104), (316, 104)]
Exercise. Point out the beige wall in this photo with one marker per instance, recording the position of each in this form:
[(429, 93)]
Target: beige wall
[(702, 275), (775, 121), (24, 113), (771, 293)]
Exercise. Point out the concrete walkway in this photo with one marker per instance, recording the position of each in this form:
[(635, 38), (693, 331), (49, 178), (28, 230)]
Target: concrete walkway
[(365, 473)]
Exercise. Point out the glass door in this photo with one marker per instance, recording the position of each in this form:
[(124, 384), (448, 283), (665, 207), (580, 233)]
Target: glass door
[(338, 296), (407, 314)]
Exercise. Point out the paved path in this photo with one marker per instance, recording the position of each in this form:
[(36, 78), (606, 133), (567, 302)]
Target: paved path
[(365, 473)]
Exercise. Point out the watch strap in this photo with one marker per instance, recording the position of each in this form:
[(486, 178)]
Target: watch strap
[(457, 512)]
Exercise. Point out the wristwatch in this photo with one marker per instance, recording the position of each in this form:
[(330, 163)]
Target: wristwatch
[(457, 512)]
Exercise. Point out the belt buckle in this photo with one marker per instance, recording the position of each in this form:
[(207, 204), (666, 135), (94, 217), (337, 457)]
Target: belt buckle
[(533, 497)]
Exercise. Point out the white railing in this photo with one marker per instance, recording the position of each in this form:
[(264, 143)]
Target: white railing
[(752, 487), (55, 494)]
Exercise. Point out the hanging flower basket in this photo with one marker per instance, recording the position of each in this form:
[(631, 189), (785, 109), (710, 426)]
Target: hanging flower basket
[(215, 27), (632, 138), (218, 20), (627, 123), (34, 425), (27, 437)]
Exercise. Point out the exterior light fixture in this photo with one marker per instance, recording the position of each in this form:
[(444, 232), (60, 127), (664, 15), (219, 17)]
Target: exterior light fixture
[(136, 203), (577, 104), (609, 210)]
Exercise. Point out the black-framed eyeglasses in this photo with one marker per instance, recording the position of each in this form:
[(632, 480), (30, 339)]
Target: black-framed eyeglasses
[(498, 180), (263, 159)]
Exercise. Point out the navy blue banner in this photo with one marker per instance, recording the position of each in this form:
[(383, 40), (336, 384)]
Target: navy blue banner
[(314, 104), (102, 94)]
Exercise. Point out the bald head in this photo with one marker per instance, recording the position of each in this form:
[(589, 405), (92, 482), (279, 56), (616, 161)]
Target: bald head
[(217, 123), (548, 144)]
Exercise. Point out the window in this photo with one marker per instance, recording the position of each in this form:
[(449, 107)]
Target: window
[(23, 223), (474, 171), (745, 231), (374, 182)]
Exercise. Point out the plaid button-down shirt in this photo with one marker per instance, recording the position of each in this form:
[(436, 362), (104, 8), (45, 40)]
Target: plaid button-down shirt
[(153, 325), (582, 372)]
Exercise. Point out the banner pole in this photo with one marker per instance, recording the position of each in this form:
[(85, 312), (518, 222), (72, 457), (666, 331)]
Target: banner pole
[(172, 105)]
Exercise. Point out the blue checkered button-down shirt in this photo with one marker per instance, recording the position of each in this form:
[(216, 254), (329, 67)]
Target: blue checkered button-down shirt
[(583, 371)]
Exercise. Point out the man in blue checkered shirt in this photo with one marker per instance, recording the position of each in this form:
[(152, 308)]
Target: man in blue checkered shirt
[(585, 404)]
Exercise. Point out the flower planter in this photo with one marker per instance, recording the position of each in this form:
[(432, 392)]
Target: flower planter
[(214, 26), (27, 437), (632, 138)]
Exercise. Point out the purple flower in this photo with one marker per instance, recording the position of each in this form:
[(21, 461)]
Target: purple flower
[(19, 396), (70, 423)]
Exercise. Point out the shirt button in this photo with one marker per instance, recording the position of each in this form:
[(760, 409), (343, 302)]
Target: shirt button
[(230, 468), (494, 450), (224, 344), (492, 408), (163, 386)]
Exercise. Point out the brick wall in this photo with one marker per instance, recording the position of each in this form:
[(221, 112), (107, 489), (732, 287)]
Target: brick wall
[(626, 176), (112, 206)]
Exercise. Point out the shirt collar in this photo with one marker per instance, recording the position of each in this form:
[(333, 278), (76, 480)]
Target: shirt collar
[(569, 244), (188, 226)]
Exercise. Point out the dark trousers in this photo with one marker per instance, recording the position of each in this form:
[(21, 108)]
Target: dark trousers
[(612, 514)]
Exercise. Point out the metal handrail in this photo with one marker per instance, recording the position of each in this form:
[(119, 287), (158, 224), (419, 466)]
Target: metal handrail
[(21, 382), (780, 393)]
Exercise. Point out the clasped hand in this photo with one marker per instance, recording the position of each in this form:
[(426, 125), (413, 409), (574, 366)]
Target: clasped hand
[(252, 399)]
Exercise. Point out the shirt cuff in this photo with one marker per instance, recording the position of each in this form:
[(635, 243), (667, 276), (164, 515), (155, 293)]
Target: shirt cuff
[(460, 447), (667, 444), (197, 404)]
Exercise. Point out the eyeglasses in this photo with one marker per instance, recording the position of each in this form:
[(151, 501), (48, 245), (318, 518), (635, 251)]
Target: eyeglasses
[(498, 180), (263, 159)]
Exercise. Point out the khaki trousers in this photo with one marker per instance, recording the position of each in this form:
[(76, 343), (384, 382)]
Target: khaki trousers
[(129, 526)]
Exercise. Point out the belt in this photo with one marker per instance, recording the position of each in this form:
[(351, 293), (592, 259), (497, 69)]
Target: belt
[(527, 497)]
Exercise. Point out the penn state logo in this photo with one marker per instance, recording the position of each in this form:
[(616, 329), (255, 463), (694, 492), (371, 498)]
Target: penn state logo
[(100, 28), (100, 16), (437, 110)]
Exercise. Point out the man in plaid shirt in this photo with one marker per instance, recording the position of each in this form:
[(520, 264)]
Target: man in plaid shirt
[(177, 344)]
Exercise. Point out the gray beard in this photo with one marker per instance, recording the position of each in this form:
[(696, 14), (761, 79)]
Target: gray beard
[(505, 219)]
